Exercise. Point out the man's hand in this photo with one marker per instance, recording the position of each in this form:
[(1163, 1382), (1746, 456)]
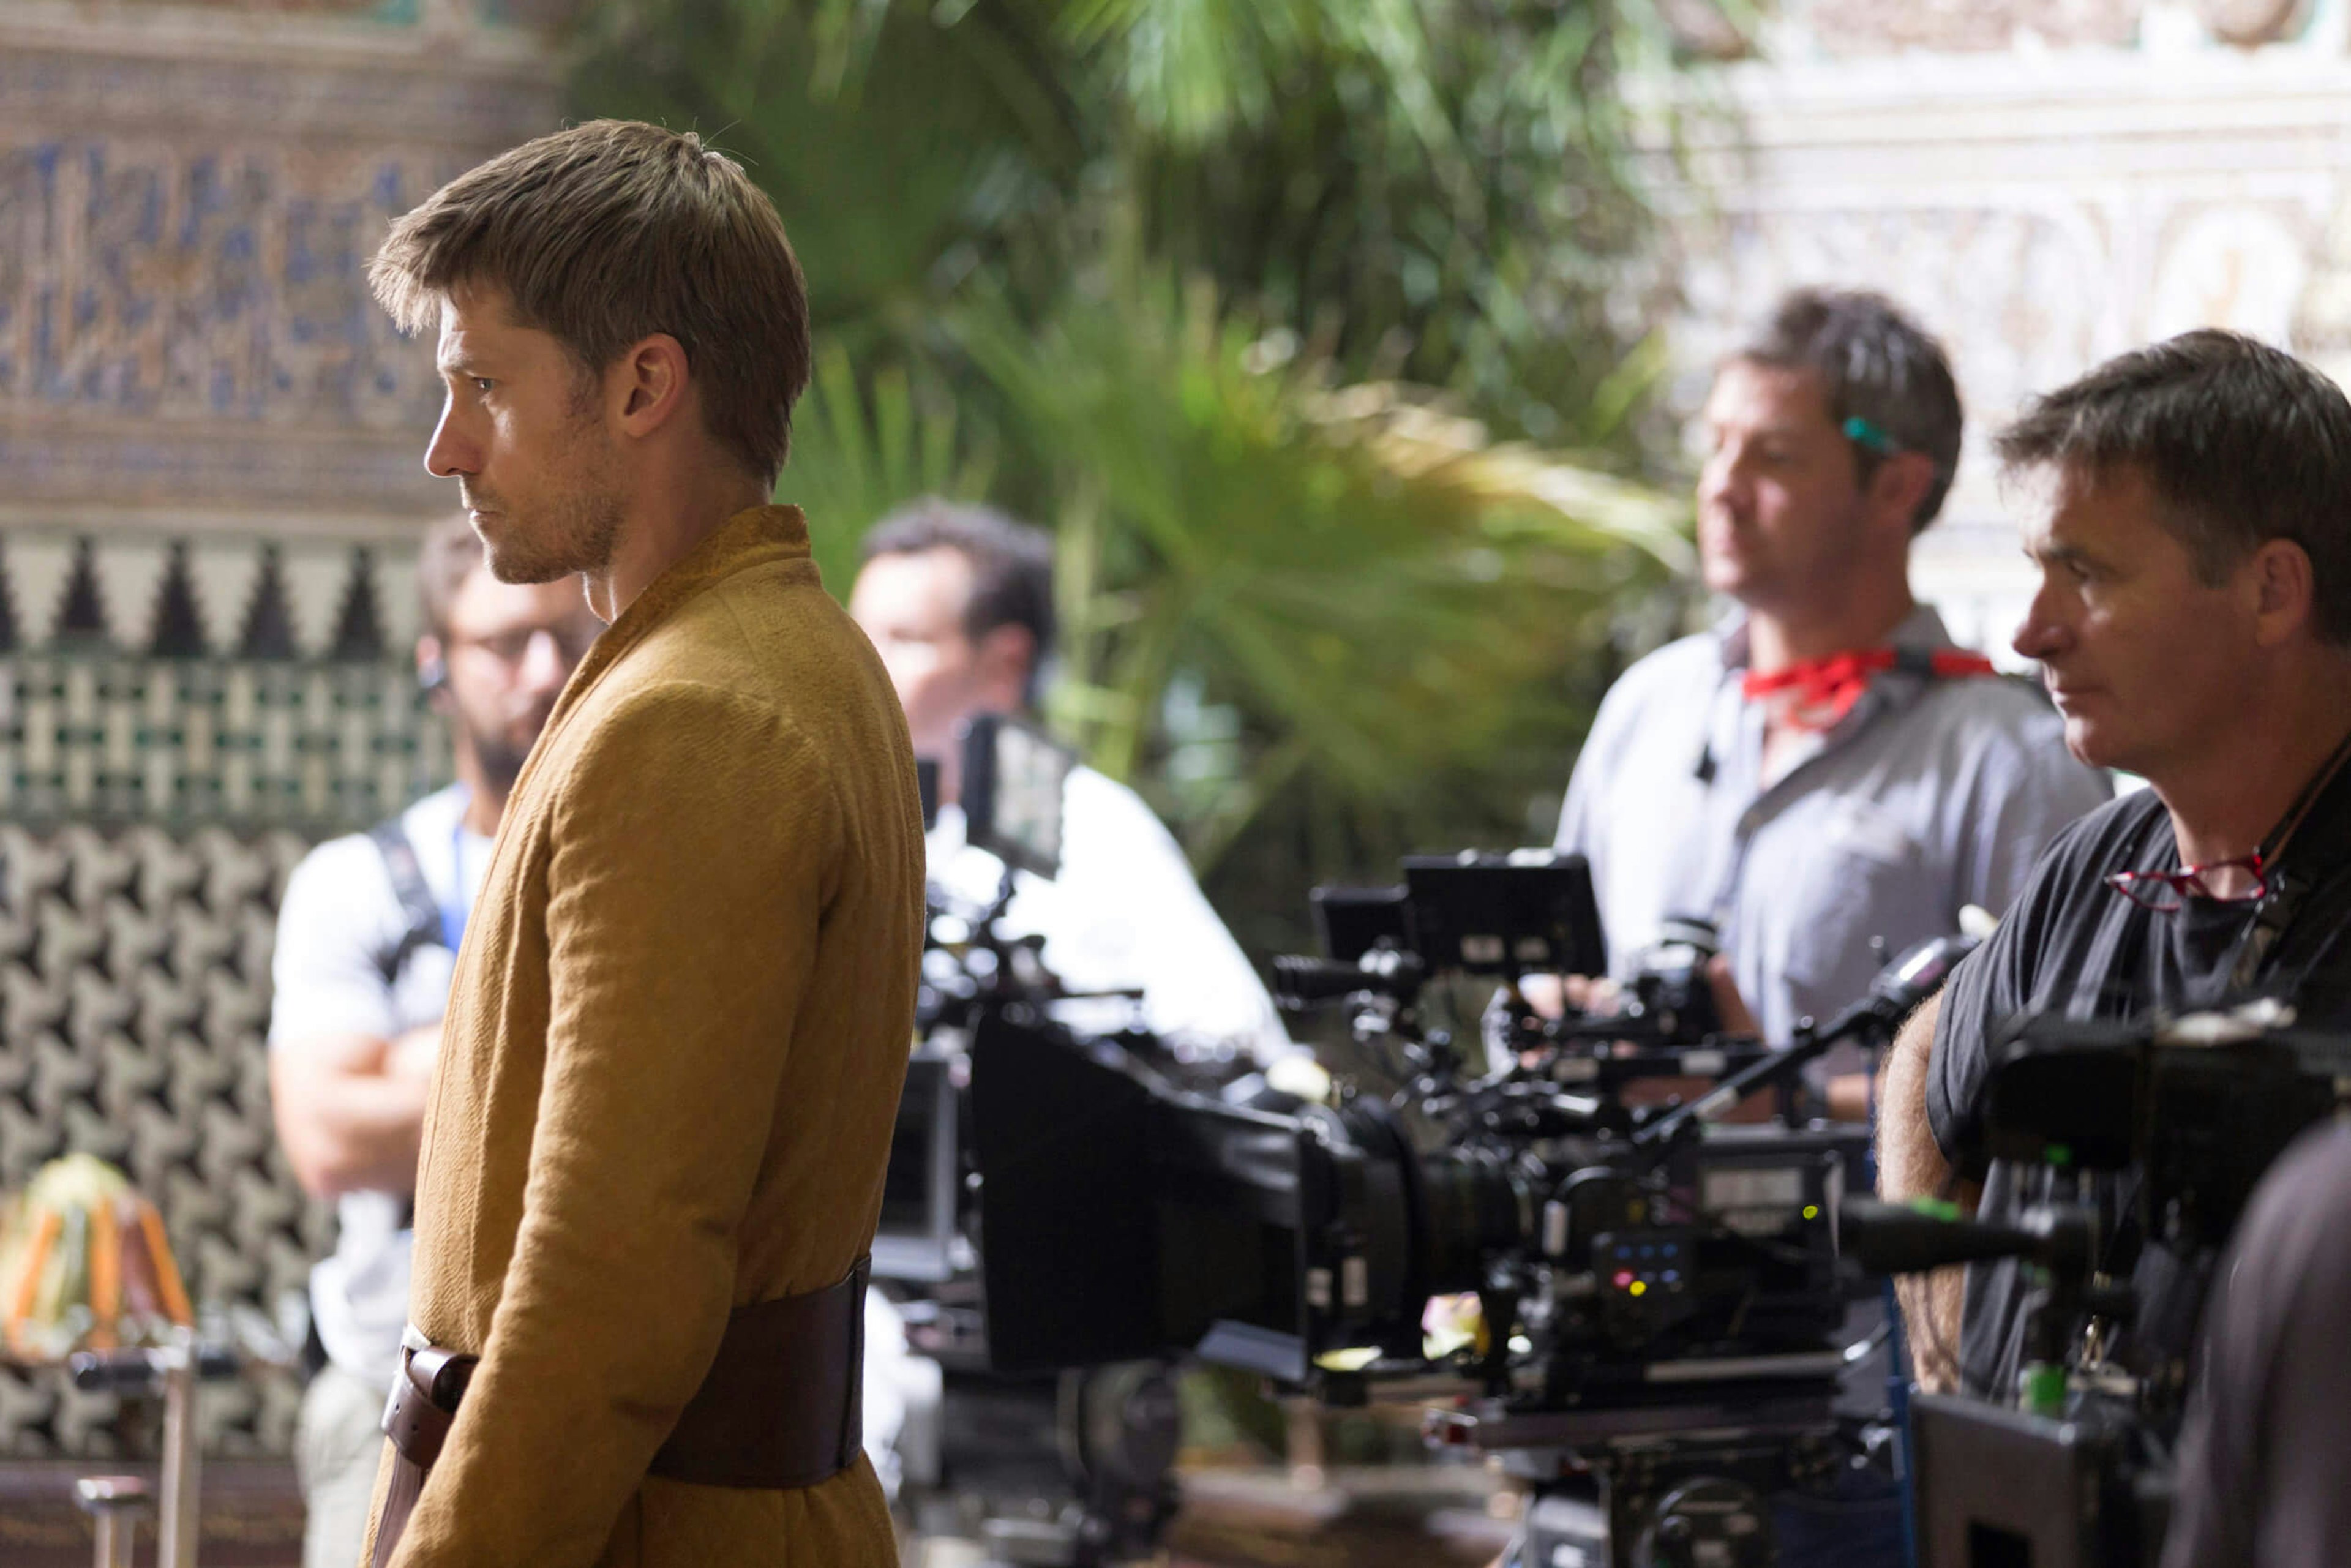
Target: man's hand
[(350, 1109), (412, 1054), (1729, 1005), (1848, 1092), (1849, 1097), (1554, 995), (1910, 1165)]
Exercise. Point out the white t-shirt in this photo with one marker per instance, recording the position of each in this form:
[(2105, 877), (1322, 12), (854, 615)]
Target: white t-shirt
[(341, 914), (1125, 913)]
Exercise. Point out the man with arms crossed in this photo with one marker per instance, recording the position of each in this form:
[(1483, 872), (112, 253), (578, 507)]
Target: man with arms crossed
[(959, 602), (1825, 766), (2189, 507), (366, 936), (654, 1155)]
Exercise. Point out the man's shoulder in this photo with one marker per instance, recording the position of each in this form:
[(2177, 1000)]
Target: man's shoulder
[(2117, 835), (1101, 813), (762, 648), (346, 876), (431, 816), (1085, 789), (2001, 730), (2117, 829), (1990, 716), (671, 689), (342, 873), (1670, 671), (1672, 682)]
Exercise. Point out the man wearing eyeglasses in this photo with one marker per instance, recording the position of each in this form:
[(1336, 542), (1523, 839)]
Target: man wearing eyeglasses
[(2189, 506), (367, 940), (1825, 777)]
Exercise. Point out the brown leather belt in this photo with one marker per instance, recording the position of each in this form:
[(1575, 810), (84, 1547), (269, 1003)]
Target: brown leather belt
[(781, 1407)]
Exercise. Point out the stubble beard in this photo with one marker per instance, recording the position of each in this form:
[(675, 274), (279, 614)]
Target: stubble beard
[(498, 757), (567, 537), (568, 533)]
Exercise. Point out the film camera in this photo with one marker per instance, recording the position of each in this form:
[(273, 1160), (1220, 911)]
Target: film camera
[(2167, 1126), (1045, 1463), (1660, 1293)]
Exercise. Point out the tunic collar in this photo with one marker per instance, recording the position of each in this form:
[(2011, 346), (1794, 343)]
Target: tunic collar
[(754, 537)]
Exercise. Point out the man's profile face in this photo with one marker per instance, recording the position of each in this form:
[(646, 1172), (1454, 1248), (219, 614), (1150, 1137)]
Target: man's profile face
[(1779, 509), (913, 606), (523, 432), (2144, 660), (509, 650)]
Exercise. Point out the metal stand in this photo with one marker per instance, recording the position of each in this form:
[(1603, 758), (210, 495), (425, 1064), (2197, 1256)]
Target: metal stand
[(176, 1368), (183, 1458), (116, 1504)]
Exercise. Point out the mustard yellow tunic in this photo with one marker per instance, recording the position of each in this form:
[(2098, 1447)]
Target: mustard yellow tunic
[(671, 1064)]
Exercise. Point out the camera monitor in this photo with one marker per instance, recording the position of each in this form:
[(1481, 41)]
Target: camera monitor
[(1354, 921), (1013, 776), (1530, 910)]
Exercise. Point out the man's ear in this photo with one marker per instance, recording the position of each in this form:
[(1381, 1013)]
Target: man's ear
[(1003, 659), (433, 670), (1900, 485), (648, 385), (2285, 591)]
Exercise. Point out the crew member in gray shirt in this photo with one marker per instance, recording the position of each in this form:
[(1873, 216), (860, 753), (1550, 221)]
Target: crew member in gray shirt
[(1824, 775)]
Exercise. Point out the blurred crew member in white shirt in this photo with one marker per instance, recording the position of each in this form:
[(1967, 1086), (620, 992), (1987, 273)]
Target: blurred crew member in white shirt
[(958, 600)]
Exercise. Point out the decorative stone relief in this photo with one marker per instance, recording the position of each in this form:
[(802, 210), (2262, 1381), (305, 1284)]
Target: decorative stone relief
[(2236, 264), (1855, 28), (2040, 213), (1705, 29), (373, 10), (2250, 22), (184, 317)]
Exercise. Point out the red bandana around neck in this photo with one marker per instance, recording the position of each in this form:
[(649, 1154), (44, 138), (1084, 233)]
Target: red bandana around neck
[(1818, 692)]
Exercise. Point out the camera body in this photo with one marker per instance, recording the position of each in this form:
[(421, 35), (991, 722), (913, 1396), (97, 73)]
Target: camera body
[(1660, 1301), (2078, 1470), (1671, 993)]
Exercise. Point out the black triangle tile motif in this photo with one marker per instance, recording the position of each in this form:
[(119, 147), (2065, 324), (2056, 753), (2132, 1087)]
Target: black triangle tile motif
[(268, 628), (81, 610), (9, 634), (359, 629), (176, 625)]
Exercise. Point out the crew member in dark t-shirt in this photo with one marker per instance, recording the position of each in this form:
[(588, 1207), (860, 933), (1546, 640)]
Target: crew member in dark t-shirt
[(2190, 514), (2072, 945)]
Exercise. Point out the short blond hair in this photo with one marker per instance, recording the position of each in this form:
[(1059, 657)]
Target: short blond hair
[(612, 231)]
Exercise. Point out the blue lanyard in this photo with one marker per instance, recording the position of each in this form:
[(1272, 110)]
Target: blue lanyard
[(454, 916)]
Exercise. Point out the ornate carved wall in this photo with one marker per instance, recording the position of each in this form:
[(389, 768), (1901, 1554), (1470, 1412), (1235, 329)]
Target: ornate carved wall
[(189, 193), (2045, 182)]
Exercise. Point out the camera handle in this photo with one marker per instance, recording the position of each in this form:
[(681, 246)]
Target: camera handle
[(2056, 1240), (1918, 973)]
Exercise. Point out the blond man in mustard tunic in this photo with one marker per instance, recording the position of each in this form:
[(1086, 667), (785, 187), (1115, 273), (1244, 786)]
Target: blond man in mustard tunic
[(680, 1020)]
